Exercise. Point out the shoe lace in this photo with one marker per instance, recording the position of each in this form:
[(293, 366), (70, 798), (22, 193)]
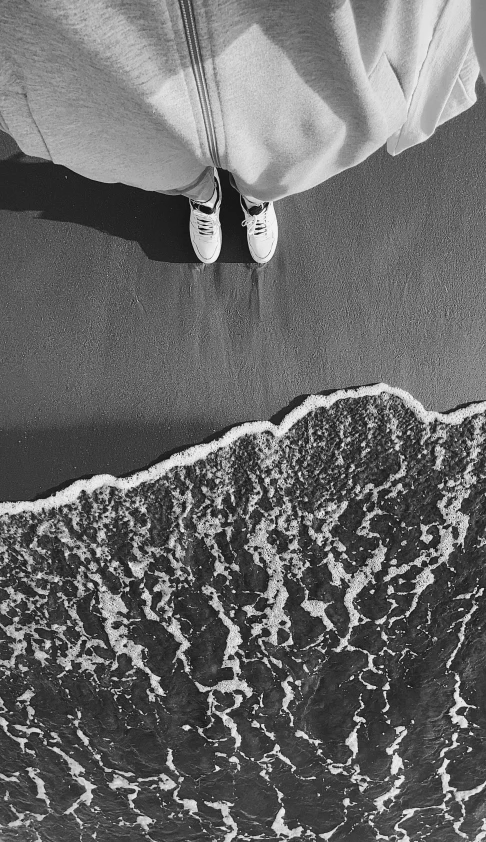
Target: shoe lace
[(205, 222), (257, 224)]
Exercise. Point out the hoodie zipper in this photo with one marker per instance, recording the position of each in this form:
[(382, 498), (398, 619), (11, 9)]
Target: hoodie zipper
[(187, 12)]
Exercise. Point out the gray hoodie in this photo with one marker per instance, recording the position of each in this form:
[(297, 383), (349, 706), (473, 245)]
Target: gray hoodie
[(283, 94)]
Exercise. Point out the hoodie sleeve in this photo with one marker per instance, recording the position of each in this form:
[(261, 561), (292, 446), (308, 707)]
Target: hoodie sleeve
[(16, 118), (446, 85), (478, 31)]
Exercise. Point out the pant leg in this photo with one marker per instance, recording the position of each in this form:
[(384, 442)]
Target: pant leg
[(250, 198), (202, 188), (199, 190)]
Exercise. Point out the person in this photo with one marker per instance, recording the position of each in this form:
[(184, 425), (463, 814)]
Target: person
[(282, 95)]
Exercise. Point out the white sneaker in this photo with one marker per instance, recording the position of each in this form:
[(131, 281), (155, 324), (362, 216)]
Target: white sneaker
[(262, 230), (205, 227)]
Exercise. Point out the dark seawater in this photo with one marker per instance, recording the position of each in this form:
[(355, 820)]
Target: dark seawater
[(280, 635)]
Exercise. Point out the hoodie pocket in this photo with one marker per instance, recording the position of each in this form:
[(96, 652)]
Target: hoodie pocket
[(3, 126), (386, 86), (17, 118)]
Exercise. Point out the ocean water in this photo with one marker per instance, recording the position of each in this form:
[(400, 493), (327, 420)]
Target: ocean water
[(279, 635)]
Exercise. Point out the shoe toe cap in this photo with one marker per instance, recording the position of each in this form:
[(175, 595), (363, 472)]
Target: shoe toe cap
[(208, 251)]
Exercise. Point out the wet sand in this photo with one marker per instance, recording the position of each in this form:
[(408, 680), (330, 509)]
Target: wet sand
[(276, 636), (119, 348)]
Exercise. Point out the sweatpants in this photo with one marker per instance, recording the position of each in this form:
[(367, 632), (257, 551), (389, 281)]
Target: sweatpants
[(202, 188)]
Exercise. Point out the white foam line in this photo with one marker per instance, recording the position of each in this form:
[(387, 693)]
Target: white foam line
[(201, 451)]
